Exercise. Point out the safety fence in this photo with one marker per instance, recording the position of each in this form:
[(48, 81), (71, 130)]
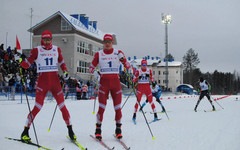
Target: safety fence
[(8, 93)]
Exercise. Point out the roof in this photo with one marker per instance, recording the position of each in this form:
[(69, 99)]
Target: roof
[(151, 62), (76, 24), (188, 85)]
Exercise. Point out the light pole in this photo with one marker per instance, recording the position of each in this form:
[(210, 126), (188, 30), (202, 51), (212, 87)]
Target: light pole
[(166, 19)]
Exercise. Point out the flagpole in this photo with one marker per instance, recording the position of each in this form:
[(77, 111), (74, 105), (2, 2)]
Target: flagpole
[(6, 39)]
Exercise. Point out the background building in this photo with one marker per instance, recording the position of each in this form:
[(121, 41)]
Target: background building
[(77, 36), (175, 69)]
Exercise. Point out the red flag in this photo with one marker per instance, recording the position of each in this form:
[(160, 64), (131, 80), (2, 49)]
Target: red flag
[(18, 44)]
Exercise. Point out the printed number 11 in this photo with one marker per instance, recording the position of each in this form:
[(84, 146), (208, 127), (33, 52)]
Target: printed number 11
[(50, 60)]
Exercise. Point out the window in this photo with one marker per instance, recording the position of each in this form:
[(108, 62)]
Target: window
[(165, 72), (153, 72), (78, 46), (65, 26), (86, 48), (159, 72), (164, 81), (83, 67), (95, 49), (177, 72), (159, 81)]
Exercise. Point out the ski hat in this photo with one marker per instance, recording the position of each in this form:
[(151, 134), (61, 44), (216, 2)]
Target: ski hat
[(144, 62), (46, 34), (108, 37)]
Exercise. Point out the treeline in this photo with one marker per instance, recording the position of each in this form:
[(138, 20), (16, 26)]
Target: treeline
[(222, 83)]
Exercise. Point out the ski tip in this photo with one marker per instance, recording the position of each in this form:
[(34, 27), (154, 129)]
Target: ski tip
[(169, 120), (39, 148), (153, 138), (48, 130), (93, 113)]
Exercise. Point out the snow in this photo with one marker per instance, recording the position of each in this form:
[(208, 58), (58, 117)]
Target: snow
[(186, 129)]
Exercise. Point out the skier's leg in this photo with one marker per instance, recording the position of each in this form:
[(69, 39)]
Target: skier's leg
[(40, 95), (210, 101), (200, 98)]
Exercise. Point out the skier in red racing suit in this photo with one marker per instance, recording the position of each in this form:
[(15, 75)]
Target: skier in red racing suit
[(109, 60), (47, 58), (144, 76)]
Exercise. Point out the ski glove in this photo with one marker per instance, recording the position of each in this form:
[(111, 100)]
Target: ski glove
[(66, 77), (96, 74), (147, 75), (120, 56), (140, 77)]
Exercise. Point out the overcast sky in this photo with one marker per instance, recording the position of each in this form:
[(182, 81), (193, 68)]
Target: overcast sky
[(210, 27)]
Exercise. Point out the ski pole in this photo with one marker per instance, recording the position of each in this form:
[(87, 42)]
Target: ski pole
[(130, 80), (167, 116), (52, 119), (30, 113), (95, 97), (54, 114), (126, 99), (219, 104), (216, 102)]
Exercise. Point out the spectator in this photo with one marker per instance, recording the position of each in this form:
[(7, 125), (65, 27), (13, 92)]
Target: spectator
[(84, 91), (9, 51), (12, 82), (1, 81)]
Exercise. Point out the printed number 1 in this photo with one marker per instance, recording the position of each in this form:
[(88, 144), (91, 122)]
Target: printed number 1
[(49, 60), (110, 64)]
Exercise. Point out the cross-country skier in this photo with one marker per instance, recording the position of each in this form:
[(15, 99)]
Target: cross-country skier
[(204, 88), (144, 77), (47, 58), (109, 60), (156, 92)]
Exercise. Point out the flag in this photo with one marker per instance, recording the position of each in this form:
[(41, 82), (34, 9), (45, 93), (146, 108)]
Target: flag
[(18, 47)]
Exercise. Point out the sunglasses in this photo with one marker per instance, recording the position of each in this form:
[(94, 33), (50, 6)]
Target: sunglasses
[(107, 41), (47, 39)]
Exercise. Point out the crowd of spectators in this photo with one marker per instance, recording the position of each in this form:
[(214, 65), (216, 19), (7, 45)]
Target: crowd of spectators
[(10, 74)]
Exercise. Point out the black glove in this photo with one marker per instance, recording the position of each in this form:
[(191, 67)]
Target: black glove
[(140, 77), (147, 75), (66, 77), (153, 84)]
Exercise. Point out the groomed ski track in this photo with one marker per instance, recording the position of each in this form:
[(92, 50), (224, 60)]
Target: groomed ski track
[(186, 130)]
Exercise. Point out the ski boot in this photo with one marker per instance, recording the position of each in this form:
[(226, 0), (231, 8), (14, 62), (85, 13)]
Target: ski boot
[(25, 135), (98, 132), (213, 108), (195, 109), (134, 117), (155, 116), (71, 133), (118, 131)]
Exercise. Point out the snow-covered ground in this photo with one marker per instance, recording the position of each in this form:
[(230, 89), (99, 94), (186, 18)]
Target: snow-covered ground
[(186, 129)]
